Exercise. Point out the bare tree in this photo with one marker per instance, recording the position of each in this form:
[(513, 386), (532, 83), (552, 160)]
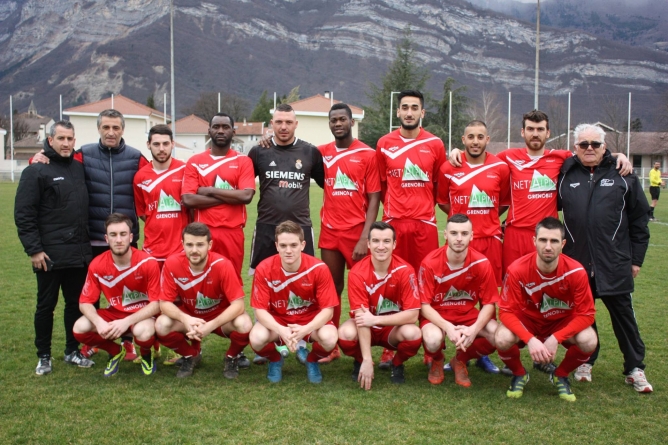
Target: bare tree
[(615, 115), (292, 96), (488, 110), (558, 115), (207, 106)]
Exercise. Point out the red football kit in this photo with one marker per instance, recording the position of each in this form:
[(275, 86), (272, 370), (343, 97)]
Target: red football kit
[(293, 297), (204, 294), (158, 199), (532, 304), (455, 293)]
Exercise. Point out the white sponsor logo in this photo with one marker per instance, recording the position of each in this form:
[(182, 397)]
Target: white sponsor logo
[(328, 158), (575, 184), (147, 182), (202, 165), (607, 182), (183, 280), (59, 178), (272, 164)]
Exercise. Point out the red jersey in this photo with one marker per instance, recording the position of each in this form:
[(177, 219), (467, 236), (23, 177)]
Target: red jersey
[(350, 174), (158, 199), (233, 171), (293, 297), (410, 167), (206, 293), (477, 191), (564, 294), (395, 292), (533, 185), (456, 292), (127, 290)]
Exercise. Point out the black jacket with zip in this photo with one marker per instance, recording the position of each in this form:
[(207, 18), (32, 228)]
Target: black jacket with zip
[(606, 218)]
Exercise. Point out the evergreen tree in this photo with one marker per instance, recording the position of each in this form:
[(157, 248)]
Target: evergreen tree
[(261, 111), (436, 121), (150, 101)]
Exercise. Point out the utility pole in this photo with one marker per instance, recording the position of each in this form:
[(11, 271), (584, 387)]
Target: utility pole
[(535, 100)]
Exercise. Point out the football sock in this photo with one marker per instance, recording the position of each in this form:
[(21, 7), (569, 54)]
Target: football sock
[(336, 318), (351, 348), (238, 342), (480, 346), (436, 356), (574, 357), (405, 350), (511, 358), (269, 351), (178, 343), (145, 346), (95, 340), (317, 352)]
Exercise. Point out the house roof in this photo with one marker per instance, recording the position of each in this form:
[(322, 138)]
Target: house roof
[(249, 128), (646, 143), (121, 103), (34, 122), (192, 125), (30, 141), (321, 104)]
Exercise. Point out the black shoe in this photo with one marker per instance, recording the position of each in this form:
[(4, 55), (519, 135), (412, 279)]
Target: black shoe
[(548, 368), (231, 370), (397, 374), (356, 370), (242, 361), (188, 366)]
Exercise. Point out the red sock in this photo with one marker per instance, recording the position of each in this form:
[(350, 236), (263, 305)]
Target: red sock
[(511, 358), (145, 346), (574, 357), (336, 318), (317, 352), (351, 348), (177, 342), (480, 346), (156, 345), (238, 342), (405, 350), (94, 339), (436, 356), (270, 352)]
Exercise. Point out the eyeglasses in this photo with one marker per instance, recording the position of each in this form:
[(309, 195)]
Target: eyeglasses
[(585, 145)]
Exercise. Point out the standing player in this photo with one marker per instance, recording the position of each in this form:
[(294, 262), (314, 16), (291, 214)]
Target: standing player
[(655, 184), (294, 299), (453, 280), (350, 201), (545, 301), (384, 304), (211, 301), (130, 281), (218, 184), (409, 161)]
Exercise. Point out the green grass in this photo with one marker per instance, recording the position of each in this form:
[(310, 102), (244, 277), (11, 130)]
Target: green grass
[(80, 406)]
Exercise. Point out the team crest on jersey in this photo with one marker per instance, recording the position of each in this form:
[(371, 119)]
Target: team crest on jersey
[(550, 303), (167, 203), (413, 173), (541, 183), (297, 302), (343, 182), (479, 199), (132, 296), (386, 306), (454, 294), (298, 164), (222, 184), (204, 302)]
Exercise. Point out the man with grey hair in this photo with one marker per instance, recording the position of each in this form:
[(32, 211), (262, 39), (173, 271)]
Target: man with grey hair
[(606, 218)]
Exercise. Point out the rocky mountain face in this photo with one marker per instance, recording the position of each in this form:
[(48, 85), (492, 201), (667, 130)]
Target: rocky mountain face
[(86, 50)]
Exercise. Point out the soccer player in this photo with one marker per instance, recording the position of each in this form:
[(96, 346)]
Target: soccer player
[(409, 161), (655, 184), (211, 301), (546, 301), (218, 183), (294, 298), (453, 280), (130, 281), (384, 306), (350, 201)]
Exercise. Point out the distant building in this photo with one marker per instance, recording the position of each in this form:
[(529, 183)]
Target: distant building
[(192, 134), (247, 134), (36, 129)]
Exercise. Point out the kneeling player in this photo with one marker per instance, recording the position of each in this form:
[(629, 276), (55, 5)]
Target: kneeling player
[(130, 281), (545, 301), (385, 304), (211, 301), (453, 279), (294, 299)]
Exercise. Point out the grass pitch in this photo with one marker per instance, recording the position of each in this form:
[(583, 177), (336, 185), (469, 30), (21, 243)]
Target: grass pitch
[(74, 405)]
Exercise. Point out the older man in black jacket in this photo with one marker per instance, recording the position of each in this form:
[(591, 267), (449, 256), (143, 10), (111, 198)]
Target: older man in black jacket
[(51, 215), (606, 218)]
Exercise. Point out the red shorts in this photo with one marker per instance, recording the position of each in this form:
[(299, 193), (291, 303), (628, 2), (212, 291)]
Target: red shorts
[(492, 248), (109, 315), (343, 241), (517, 242), (307, 339), (415, 240), (463, 320), (380, 336), (541, 329), (230, 244), (206, 317)]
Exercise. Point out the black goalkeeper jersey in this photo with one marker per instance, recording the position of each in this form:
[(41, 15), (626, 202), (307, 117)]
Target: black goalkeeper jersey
[(285, 174)]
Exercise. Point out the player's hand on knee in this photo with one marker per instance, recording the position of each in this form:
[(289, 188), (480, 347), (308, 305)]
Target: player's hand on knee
[(539, 353)]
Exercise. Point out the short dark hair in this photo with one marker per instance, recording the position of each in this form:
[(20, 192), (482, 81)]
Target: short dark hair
[(458, 218), (476, 123), (62, 124), (289, 227), (112, 114), (382, 225), (223, 115), (160, 129), (341, 106), (536, 116), (410, 93), (196, 229), (551, 223), (116, 218), (284, 107)]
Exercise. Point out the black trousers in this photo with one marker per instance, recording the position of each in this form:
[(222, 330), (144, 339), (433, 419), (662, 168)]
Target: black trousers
[(49, 284), (625, 327)]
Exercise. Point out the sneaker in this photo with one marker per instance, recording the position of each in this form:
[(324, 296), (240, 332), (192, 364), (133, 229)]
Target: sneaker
[(486, 365), (148, 364), (173, 359), (275, 371), (77, 358), (334, 355), (242, 361), (548, 368), (313, 372), (259, 360), (301, 355), (386, 359), (638, 380), (88, 351), (130, 352), (231, 370), (113, 363), (356, 370), (44, 365), (506, 371), (517, 386), (188, 366), (447, 367), (564, 387), (435, 375), (427, 360), (397, 373), (583, 373), (461, 373)]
